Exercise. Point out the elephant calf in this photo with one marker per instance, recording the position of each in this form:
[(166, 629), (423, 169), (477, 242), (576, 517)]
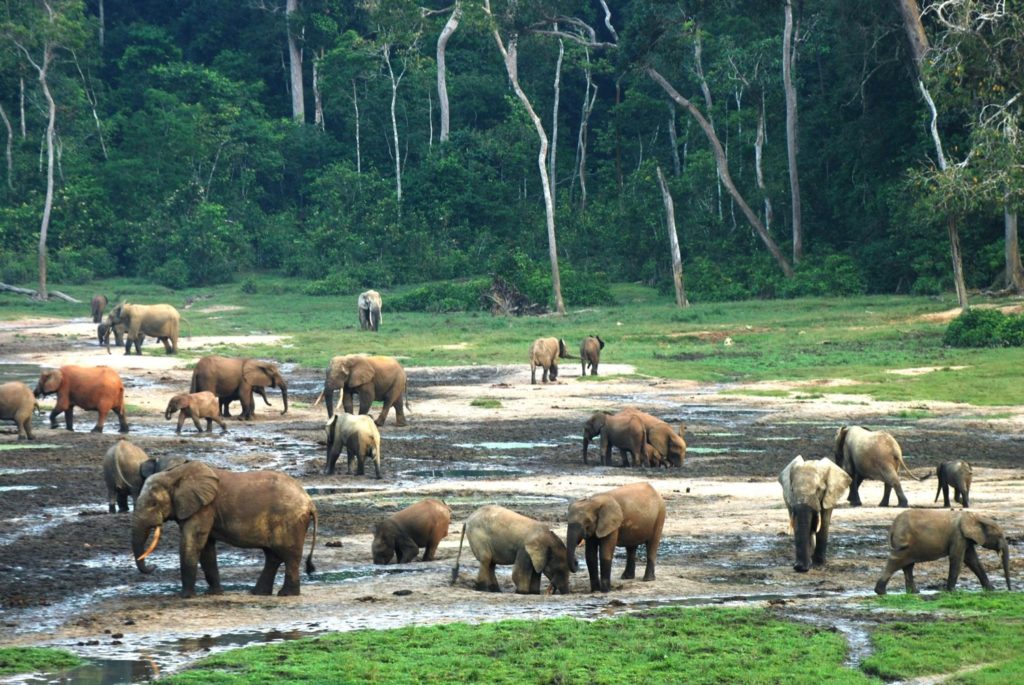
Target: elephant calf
[(545, 353), (359, 436), (501, 536), (930, 534), (590, 354), (423, 524), (957, 474), (126, 468), (17, 404), (196, 406)]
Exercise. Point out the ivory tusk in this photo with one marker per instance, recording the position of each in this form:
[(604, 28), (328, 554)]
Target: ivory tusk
[(152, 545), (818, 528)]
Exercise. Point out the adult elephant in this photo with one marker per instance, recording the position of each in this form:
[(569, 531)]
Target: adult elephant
[(161, 321), (629, 516), (237, 378), (667, 441), (545, 353), (401, 535), (99, 303), (17, 404), (369, 304), (96, 388), (371, 378), (930, 534), (811, 490), (958, 475), (254, 510), (625, 431), (871, 455)]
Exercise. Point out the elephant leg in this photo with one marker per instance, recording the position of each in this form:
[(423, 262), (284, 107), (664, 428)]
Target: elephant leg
[(101, 419), (607, 552), (122, 421), (430, 551), (385, 410), (360, 465), (348, 469), (854, 496), (122, 501), (265, 583), (365, 401), (376, 466), (945, 495), (346, 401), (591, 555), (908, 579), (593, 369), (209, 425), (399, 405), (964, 499), (630, 571), (894, 564), (821, 539), (208, 562), (167, 346), (973, 563), (956, 494), (198, 424), (956, 563), (194, 538), (53, 417), (291, 576), (533, 374), (885, 496), (69, 418), (900, 496)]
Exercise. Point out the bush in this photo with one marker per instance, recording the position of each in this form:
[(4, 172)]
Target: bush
[(926, 285), (330, 287), (974, 328), (451, 296), (173, 274), (1011, 331), (835, 275)]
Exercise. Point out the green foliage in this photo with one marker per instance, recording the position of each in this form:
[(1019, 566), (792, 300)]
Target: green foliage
[(975, 327), (453, 296), (833, 275), (25, 660), (1010, 331), (486, 403)]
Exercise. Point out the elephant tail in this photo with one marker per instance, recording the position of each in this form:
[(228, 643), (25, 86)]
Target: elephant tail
[(310, 568), (906, 468), (458, 557)]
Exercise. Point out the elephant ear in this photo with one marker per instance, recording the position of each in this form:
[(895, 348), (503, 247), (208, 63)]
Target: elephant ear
[(259, 373), (600, 343), (406, 547), (148, 468), (538, 548), (360, 372), (196, 487), (837, 481), (971, 528), (561, 348), (785, 480), (609, 518)]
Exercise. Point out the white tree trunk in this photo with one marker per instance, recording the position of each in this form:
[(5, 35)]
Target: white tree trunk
[(355, 106), (1014, 269), (318, 100), (21, 84), (589, 98), (51, 125), (758, 167), (103, 23), (295, 66), (792, 144), (10, 148), (673, 241), (673, 139), (395, 82), (552, 166), (442, 81)]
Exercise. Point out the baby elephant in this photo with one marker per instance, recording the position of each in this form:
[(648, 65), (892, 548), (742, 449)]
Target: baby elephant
[(930, 534), (126, 468), (358, 435), (590, 354), (17, 404), (957, 474), (423, 524), (501, 536), (196, 406)]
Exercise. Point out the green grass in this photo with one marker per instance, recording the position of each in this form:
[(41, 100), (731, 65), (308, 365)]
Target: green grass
[(858, 338), (486, 403), (21, 660), (667, 646)]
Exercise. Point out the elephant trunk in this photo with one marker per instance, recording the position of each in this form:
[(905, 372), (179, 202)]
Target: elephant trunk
[(1004, 553), (573, 537), (140, 533), (169, 412), (284, 396), (805, 526)]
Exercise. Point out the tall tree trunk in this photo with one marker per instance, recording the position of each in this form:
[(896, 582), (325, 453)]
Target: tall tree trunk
[(355, 106), (673, 241), (673, 139), (698, 63), (1014, 269), (958, 262), (21, 84), (722, 164), (911, 13), (618, 135), (10, 147), (442, 82), (318, 99), (395, 82), (51, 125), (552, 166), (580, 168), (758, 167), (792, 144), (295, 65), (103, 23)]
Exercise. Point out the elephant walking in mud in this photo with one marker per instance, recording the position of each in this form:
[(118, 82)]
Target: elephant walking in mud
[(17, 404), (96, 388), (811, 490), (871, 455), (957, 475)]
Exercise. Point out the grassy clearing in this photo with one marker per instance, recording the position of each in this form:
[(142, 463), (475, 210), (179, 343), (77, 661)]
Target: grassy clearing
[(861, 339), (21, 660), (674, 645)]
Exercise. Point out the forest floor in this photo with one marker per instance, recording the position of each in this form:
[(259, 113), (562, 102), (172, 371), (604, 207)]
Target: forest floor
[(67, 577)]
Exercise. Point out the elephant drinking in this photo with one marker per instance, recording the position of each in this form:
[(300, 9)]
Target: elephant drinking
[(401, 535)]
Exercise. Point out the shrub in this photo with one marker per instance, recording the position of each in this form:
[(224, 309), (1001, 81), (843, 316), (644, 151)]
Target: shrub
[(332, 286), (173, 274), (835, 275), (974, 328), (1011, 331), (926, 285), (451, 296)]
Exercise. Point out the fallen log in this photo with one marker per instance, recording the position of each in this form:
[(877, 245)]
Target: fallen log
[(32, 293)]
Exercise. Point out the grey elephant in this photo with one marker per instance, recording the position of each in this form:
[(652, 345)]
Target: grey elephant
[(544, 354), (237, 378), (369, 378), (359, 436), (254, 510), (958, 475), (401, 535), (104, 330), (871, 455), (369, 305), (811, 490), (629, 516), (930, 534), (665, 441), (196, 406), (17, 404), (98, 304), (125, 468), (592, 429), (160, 321), (500, 536), (590, 354)]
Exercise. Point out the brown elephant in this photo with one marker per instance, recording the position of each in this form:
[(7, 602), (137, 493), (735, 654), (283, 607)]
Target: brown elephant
[(196, 406), (401, 535), (592, 429), (871, 455), (125, 468), (625, 431), (99, 303), (104, 330), (237, 378), (371, 378), (811, 490), (667, 442), (257, 509), (17, 404), (958, 475), (590, 354), (360, 438), (930, 534), (501, 536), (369, 304), (94, 388), (545, 353), (629, 516), (160, 321)]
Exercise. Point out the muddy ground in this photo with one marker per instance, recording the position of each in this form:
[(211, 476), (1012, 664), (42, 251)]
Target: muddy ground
[(67, 577)]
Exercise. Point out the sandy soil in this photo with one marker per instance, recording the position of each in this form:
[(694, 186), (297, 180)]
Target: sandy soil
[(67, 578)]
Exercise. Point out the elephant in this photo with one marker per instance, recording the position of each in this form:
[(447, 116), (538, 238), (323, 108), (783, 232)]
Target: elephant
[(371, 378), (930, 534), (99, 303), (811, 490), (94, 388), (104, 330), (545, 353), (957, 474), (17, 404), (359, 436), (629, 516), (401, 535), (256, 509), (225, 406), (237, 378), (625, 431), (160, 321), (592, 428), (501, 536), (668, 443), (874, 455), (369, 304), (196, 406), (590, 354), (125, 468)]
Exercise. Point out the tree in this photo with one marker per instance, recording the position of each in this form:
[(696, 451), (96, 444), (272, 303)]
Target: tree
[(673, 241), (789, 46), (442, 74), (294, 30)]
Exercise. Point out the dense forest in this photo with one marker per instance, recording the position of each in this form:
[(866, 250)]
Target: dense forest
[(808, 148)]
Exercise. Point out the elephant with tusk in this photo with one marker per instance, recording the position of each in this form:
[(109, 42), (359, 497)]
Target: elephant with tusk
[(369, 304), (811, 490)]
